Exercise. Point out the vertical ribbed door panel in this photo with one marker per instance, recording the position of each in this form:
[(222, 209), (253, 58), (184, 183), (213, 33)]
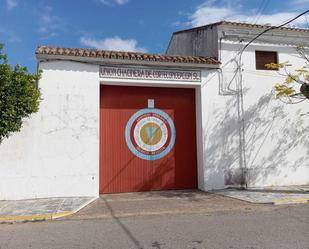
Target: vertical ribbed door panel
[(142, 147)]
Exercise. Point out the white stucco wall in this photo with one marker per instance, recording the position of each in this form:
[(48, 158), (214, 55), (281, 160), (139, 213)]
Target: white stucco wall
[(210, 170), (276, 134), (57, 151)]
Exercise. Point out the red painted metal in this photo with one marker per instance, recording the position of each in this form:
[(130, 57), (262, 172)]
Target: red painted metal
[(120, 169)]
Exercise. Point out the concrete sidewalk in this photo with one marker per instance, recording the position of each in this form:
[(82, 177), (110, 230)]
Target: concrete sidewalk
[(41, 209), (269, 195), (149, 203), (162, 203), (184, 202), (285, 189)]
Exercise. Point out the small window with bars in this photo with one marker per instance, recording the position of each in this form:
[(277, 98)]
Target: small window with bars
[(265, 57)]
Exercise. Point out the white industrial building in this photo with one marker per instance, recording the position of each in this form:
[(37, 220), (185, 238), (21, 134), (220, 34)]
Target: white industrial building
[(260, 134), (98, 106)]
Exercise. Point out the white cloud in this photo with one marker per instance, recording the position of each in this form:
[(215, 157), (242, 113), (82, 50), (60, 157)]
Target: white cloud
[(121, 2), (49, 23), (281, 17), (112, 2), (113, 43), (105, 2), (11, 4), (209, 13)]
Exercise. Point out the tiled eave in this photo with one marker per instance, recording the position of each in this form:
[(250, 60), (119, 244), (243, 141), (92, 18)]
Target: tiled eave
[(117, 57), (245, 25)]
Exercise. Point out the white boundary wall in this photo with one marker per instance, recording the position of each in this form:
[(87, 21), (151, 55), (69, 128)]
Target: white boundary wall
[(56, 153), (276, 134)]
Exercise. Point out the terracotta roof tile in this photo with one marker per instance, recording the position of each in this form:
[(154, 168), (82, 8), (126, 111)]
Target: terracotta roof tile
[(134, 56)]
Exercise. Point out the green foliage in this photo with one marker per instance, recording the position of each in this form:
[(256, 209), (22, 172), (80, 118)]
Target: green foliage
[(277, 65), (283, 90), (19, 96), (299, 77)]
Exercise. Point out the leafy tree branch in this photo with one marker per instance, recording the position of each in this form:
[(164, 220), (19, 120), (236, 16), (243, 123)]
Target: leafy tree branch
[(296, 83), (19, 96)]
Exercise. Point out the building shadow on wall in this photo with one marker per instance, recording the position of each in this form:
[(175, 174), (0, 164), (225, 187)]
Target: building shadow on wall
[(274, 140)]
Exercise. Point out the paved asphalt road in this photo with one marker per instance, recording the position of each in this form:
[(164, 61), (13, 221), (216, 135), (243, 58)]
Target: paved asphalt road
[(285, 227)]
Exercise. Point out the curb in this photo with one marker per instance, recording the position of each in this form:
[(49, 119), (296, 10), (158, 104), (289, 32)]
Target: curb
[(34, 217), (43, 217), (291, 201), (272, 190), (82, 206), (295, 200)]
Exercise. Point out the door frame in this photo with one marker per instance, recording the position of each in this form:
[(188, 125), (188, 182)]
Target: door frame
[(198, 118)]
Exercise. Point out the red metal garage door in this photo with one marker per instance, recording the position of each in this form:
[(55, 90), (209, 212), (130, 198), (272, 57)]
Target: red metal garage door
[(147, 139)]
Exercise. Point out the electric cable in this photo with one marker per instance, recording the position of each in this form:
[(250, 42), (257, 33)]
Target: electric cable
[(272, 28), (240, 98), (261, 11), (258, 11)]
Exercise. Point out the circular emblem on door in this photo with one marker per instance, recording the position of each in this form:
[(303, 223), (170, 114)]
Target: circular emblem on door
[(150, 134)]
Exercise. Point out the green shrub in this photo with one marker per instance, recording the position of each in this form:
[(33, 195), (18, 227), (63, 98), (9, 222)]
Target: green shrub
[(19, 96)]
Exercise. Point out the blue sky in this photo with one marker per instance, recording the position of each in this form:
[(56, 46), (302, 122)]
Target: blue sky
[(133, 25)]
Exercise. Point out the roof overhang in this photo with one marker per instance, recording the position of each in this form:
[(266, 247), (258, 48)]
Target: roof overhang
[(107, 61), (95, 56)]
